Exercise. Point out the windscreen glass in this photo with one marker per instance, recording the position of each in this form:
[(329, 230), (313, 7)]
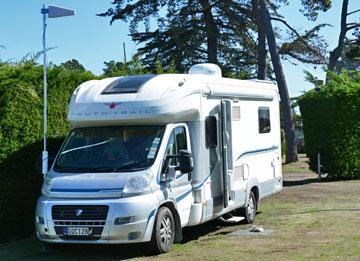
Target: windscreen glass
[(110, 149)]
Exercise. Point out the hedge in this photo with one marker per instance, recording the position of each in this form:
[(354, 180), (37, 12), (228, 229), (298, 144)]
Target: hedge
[(21, 132), (331, 119)]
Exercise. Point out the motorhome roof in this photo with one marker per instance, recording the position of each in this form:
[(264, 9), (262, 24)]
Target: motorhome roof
[(103, 98)]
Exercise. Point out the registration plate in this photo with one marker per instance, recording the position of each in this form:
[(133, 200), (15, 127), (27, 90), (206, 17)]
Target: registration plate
[(77, 231)]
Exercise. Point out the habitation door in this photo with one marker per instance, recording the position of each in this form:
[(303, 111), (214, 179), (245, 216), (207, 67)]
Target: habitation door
[(226, 146), (213, 144)]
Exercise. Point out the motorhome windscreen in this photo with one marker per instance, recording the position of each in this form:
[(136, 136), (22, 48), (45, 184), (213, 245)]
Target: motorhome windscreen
[(129, 84), (110, 149)]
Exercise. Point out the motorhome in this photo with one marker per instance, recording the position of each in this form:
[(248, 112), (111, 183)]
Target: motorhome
[(151, 154)]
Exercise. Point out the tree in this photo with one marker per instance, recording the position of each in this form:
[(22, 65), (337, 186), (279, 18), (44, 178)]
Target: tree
[(311, 10), (73, 65), (113, 68), (336, 53), (261, 47), (132, 67), (191, 31), (291, 150)]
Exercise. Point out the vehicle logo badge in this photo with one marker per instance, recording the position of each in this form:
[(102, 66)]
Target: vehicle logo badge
[(78, 212), (112, 105)]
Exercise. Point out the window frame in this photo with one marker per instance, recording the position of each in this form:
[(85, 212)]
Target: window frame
[(211, 132), (173, 134), (267, 128)]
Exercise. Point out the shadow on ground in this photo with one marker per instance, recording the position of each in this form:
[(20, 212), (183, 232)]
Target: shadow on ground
[(329, 210), (123, 252), (291, 183)]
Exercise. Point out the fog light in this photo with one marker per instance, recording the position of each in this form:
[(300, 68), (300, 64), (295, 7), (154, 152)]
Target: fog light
[(134, 235), (123, 220), (40, 220)]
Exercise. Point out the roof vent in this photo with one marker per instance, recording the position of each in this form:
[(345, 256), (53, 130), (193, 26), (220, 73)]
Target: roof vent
[(209, 69)]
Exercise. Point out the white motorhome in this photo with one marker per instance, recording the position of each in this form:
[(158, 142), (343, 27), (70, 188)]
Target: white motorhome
[(149, 155)]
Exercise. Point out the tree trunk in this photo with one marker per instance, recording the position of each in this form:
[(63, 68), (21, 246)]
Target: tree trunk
[(211, 31), (291, 150), (261, 50), (336, 53)]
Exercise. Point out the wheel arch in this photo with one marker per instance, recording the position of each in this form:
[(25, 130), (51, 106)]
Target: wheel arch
[(253, 185), (255, 190)]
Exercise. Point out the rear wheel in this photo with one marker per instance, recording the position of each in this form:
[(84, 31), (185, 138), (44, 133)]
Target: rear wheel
[(249, 211), (163, 232)]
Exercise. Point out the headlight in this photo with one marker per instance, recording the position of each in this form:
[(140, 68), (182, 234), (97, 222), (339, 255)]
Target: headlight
[(137, 184), (46, 187)]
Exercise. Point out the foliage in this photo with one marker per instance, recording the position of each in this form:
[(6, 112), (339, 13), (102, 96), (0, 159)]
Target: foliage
[(21, 131), (113, 68), (134, 67), (331, 118), (222, 32), (73, 65), (311, 8)]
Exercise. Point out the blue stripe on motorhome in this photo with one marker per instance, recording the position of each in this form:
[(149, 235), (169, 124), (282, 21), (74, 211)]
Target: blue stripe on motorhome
[(242, 155), (257, 151), (180, 175), (202, 183), (182, 196), (86, 190), (152, 213)]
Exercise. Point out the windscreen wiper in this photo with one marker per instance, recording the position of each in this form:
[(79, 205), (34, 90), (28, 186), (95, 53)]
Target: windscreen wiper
[(84, 147), (131, 164)]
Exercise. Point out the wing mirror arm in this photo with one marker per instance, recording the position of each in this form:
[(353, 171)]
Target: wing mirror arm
[(185, 166)]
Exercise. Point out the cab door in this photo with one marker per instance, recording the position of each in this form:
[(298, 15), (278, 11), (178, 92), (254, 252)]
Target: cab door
[(179, 184)]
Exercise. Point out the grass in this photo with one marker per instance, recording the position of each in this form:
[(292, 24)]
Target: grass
[(309, 219)]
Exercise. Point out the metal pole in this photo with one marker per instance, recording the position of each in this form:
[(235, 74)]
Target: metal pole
[(319, 166), (124, 56), (44, 12)]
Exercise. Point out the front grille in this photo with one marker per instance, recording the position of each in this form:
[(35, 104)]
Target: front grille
[(79, 223), (64, 212), (90, 216)]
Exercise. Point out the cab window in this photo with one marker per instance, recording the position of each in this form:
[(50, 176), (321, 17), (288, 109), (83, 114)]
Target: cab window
[(176, 143)]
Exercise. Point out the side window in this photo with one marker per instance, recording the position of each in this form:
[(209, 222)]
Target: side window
[(264, 119), (177, 142), (210, 132)]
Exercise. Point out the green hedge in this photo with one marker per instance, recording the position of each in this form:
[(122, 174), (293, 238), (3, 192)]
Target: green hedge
[(21, 131), (331, 119)]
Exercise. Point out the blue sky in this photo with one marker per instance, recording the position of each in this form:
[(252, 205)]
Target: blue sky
[(91, 40)]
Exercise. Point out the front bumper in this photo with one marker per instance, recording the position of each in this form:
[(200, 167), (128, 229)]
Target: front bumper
[(137, 215)]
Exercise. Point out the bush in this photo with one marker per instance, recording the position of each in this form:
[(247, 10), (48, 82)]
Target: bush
[(331, 119), (21, 132)]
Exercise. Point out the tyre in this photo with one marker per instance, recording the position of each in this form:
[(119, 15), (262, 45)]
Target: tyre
[(163, 232), (249, 211)]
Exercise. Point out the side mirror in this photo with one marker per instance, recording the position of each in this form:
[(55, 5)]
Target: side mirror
[(185, 166), (186, 162)]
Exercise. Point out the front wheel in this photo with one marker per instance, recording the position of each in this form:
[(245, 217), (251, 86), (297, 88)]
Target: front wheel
[(163, 232), (249, 211)]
